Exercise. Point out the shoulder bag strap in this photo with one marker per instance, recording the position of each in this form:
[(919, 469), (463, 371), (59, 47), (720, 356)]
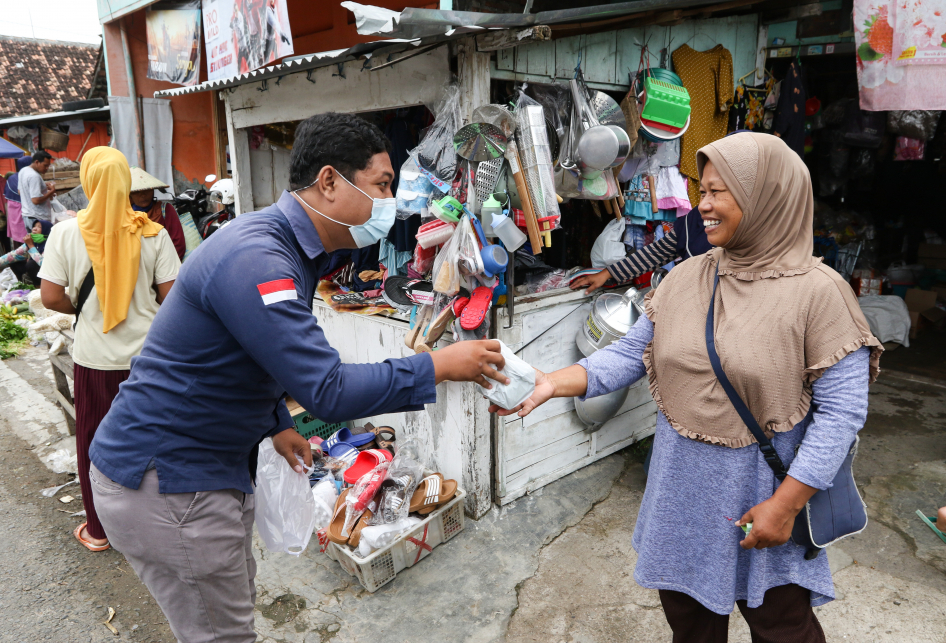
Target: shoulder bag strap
[(84, 291), (768, 451)]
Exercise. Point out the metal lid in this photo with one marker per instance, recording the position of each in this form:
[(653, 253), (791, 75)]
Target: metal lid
[(617, 313)]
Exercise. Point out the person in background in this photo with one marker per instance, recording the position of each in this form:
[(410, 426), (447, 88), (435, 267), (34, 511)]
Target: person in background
[(143, 186), (16, 230), (31, 252), (36, 193), (132, 264), (687, 239)]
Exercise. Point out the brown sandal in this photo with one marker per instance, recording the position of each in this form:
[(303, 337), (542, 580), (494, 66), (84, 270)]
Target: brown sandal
[(356, 531), (335, 528), (367, 428), (386, 438), (432, 492)]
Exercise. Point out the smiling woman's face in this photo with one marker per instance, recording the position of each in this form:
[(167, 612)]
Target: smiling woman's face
[(718, 208)]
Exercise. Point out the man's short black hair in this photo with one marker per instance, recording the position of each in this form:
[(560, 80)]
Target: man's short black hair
[(41, 156), (344, 141)]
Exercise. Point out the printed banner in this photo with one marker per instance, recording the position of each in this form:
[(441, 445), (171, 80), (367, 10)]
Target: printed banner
[(174, 41), (243, 35), (885, 83), (920, 33)]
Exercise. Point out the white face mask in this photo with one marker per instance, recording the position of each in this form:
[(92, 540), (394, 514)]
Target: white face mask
[(377, 226)]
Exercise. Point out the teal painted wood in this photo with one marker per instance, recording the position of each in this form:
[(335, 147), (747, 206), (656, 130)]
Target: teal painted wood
[(607, 57)]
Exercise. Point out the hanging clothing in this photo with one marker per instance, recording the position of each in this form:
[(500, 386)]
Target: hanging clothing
[(708, 77), (16, 229), (789, 122), (748, 108), (112, 231)]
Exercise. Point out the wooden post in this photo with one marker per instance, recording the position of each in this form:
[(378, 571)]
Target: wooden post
[(239, 163), (473, 74)]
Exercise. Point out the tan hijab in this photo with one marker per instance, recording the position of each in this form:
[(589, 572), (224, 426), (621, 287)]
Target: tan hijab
[(782, 318)]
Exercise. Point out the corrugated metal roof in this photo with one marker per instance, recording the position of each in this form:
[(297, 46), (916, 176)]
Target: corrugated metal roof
[(54, 116)]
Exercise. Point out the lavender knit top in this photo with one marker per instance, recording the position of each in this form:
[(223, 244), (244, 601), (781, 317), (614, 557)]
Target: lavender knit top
[(682, 537)]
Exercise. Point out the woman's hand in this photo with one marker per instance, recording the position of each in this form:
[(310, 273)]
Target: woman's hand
[(593, 282), (289, 444), (470, 361), (772, 519), (544, 391), (28, 241)]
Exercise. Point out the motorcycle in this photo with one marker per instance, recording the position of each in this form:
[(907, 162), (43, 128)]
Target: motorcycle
[(209, 209)]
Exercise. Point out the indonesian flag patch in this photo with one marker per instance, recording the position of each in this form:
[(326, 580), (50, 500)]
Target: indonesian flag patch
[(279, 290)]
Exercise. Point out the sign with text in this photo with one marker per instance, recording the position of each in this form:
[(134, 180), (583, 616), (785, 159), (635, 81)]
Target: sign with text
[(243, 35), (173, 32)]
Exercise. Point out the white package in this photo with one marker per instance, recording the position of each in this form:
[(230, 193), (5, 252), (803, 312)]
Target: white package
[(521, 384)]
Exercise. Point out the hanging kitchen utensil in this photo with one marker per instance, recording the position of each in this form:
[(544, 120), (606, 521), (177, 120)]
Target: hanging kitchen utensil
[(487, 175), (497, 116), (554, 145), (479, 142), (598, 146), (536, 156), (607, 110)]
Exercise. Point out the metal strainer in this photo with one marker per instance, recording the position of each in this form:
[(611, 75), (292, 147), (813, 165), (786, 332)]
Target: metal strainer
[(497, 116), (479, 142)]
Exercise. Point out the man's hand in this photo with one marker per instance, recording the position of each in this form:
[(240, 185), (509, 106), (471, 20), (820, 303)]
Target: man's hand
[(544, 391), (289, 444), (470, 361), (593, 282), (50, 186), (772, 519)]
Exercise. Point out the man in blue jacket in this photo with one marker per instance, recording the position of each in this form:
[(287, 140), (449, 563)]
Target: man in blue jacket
[(172, 460)]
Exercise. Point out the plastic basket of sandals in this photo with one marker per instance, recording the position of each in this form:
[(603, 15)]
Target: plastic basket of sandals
[(382, 566)]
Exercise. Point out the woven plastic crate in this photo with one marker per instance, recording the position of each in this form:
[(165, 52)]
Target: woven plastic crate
[(382, 566), (307, 425)]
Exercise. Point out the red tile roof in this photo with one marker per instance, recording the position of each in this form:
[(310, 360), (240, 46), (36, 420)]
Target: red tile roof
[(38, 76)]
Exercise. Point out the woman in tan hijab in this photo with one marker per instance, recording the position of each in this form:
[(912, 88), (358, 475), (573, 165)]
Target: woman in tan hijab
[(798, 351)]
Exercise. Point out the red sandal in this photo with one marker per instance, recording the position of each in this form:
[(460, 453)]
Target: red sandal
[(475, 311)]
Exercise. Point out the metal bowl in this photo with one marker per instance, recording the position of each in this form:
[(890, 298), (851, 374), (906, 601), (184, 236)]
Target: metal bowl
[(595, 411), (602, 146)]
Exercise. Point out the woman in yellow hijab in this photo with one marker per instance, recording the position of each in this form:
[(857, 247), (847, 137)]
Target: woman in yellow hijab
[(129, 263), (112, 231)]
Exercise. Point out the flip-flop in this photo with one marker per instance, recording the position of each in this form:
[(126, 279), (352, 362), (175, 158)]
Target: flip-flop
[(77, 532), (386, 438), (356, 532), (436, 329), (334, 531), (345, 452), (931, 523), (432, 492), (476, 310), (367, 429), (420, 320), (345, 435), (365, 462)]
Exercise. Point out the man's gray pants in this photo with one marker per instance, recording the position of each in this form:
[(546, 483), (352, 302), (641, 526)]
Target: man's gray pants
[(192, 551)]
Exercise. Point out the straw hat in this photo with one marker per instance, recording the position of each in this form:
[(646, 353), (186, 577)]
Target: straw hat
[(141, 180)]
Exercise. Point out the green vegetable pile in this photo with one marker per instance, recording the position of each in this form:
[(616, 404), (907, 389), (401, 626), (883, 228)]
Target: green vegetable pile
[(12, 337)]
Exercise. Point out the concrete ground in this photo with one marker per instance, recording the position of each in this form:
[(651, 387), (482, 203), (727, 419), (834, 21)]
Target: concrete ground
[(555, 566)]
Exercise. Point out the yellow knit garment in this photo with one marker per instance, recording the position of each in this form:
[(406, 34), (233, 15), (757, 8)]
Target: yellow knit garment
[(708, 76), (112, 231)]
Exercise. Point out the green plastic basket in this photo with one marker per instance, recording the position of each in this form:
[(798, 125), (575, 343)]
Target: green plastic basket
[(666, 103), (307, 425)]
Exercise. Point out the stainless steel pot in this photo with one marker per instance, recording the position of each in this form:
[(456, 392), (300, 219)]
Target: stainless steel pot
[(611, 316), (595, 411), (602, 147)]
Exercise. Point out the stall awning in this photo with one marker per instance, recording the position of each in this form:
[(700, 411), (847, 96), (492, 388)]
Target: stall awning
[(310, 61), (95, 113)]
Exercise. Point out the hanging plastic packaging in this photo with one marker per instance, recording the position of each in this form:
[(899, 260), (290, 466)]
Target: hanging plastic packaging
[(285, 506), (536, 157), (919, 124), (446, 273), (413, 190), (435, 152), (361, 495), (609, 246), (404, 474)]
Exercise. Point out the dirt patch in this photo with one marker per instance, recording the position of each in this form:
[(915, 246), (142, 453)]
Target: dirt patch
[(283, 608)]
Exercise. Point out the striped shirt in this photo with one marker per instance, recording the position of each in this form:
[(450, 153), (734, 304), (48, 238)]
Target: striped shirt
[(651, 256)]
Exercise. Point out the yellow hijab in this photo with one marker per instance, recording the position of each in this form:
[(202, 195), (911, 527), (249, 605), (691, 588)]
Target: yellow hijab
[(112, 231)]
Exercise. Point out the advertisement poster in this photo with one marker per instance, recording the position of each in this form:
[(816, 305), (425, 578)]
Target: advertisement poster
[(174, 41), (883, 82), (920, 34), (243, 35)]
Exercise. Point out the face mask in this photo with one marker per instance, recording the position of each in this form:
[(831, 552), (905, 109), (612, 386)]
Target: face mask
[(375, 228), (38, 237)]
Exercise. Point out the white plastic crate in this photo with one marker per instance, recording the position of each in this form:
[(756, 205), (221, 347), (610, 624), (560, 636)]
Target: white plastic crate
[(382, 566)]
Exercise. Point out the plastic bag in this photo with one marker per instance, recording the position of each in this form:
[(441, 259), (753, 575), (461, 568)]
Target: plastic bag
[(609, 246), (285, 507), (413, 190), (59, 211), (325, 494), (446, 274), (469, 259), (7, 279), (521, 381), (378, 536), (404, 474), (361, 495), (535, 154), (435, 152)]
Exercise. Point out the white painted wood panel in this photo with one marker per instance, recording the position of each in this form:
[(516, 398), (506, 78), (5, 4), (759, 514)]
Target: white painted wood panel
[(418, 80)]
